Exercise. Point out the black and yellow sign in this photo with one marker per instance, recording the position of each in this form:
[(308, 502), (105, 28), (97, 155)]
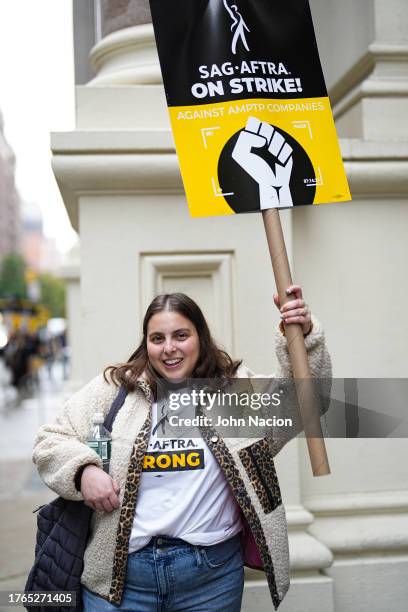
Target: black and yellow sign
[(23, 314), (248, 105)]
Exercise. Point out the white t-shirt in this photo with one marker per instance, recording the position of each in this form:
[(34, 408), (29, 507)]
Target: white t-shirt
[(182, 492)]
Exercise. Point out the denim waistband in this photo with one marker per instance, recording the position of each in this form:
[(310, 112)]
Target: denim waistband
[(162, 541)]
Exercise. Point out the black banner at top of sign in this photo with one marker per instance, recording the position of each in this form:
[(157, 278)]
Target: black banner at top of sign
[(220, 50)]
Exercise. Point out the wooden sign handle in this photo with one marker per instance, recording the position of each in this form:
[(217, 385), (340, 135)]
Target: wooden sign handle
[(296, 347)]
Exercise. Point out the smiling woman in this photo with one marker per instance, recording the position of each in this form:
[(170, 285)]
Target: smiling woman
[(176, 518)]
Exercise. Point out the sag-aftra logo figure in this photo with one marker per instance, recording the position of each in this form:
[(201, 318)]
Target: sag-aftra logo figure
[(238, 27)]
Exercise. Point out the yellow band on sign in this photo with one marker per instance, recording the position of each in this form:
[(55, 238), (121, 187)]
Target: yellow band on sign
[(222, 182)]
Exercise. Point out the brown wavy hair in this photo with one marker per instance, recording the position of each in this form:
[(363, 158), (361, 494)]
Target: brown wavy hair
[(212, 361)]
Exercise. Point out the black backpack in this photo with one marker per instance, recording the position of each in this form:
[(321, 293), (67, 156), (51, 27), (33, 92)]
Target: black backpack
[(62, 534)]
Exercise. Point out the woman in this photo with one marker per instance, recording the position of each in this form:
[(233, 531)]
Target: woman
[(174, 539)]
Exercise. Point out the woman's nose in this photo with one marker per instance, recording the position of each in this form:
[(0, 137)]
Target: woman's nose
[(169, 346)]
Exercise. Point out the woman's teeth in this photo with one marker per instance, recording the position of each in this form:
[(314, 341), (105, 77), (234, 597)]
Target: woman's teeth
[(172, 362)]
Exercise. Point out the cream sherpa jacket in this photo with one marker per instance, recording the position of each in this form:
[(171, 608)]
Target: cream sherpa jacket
[(60, 451)]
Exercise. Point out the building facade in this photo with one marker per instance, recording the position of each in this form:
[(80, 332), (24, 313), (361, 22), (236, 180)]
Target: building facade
[(9, 198), (118, 174)]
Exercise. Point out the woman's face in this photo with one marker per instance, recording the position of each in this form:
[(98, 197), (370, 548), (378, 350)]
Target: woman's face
[(173, 345)]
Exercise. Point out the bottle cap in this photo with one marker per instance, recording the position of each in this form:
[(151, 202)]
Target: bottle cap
[(98, 417)]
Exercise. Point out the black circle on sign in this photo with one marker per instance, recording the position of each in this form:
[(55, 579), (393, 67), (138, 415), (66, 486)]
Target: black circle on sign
[(234, 179)]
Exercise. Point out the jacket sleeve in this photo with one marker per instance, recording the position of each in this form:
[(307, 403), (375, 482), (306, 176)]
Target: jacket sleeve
[(317, 353), (60, 449), (320, 367)]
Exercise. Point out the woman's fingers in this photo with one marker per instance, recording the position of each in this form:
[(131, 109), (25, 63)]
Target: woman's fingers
[(114, 500), (293, 305), (300, 320), (106, 505), (295, 290), (296, 312)]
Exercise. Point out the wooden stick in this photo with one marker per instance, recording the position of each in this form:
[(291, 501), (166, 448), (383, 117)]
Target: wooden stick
[(296, 346)]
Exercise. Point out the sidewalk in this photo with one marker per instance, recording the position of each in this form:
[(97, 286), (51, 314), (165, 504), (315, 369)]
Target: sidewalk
[(21, 490), (18, 524)]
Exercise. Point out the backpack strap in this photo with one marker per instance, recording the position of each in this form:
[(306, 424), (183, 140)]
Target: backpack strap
[(115, 407)]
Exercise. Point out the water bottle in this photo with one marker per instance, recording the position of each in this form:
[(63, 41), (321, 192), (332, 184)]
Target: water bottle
[(100, 440)]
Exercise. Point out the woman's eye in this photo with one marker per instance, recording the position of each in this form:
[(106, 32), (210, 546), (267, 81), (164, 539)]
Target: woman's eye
[(182, 336), (156, 339)]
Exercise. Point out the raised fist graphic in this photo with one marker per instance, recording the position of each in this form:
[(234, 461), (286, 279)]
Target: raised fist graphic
[(273, 179)]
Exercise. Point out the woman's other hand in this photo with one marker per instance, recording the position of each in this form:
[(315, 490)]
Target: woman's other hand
[(99, 490), (295, 310)]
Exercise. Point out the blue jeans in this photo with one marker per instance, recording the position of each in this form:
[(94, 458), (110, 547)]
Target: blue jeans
[(170, 575)]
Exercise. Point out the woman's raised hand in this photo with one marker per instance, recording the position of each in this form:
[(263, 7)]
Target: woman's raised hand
[(296, 310), (99, 490)]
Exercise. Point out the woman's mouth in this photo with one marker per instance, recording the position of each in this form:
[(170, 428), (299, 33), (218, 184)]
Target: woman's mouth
[(172, 363)]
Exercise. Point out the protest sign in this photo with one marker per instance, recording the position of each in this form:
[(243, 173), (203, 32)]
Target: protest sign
[(253, 130), (248, 105)]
